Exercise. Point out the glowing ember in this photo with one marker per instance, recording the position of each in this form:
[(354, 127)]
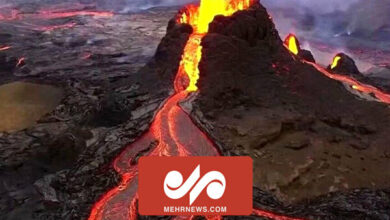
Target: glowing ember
[(2, 48), (291, 43), (355, 87), (86, 56), (335, 62), (20, 61)]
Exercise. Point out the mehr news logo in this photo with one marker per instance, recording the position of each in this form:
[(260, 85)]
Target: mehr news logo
[(195, 186)]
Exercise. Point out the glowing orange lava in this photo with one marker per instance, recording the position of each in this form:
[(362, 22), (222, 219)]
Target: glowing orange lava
[(199, 17), (292, 44), (188, 73)]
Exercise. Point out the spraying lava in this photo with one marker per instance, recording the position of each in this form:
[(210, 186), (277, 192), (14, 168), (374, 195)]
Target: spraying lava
[(172, 132)]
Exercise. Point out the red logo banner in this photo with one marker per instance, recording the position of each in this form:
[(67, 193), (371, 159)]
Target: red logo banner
[(195, 186)]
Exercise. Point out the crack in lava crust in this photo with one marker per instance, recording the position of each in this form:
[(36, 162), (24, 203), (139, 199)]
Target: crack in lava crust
[(172, 129)]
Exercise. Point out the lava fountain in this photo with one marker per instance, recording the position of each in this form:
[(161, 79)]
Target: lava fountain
[(172, 132)]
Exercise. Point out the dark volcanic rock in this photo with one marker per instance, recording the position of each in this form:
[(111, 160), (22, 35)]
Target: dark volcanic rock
[(7, 64), (113, 110), (380, 76), (306, 55), (345, 65), (307, 134)]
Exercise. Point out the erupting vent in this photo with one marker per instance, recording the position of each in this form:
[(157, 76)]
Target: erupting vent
[(335, 62), (292, 44), (199, 17)]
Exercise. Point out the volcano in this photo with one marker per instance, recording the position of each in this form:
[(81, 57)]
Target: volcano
[(223, 83)]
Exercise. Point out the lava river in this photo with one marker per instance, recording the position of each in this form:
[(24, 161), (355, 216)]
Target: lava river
[(172, 132)]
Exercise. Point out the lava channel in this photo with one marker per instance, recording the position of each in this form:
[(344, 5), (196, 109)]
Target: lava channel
[(172, 132)]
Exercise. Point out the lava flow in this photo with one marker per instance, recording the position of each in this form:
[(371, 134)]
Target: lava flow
[(172, 132), (47, 14), (293, 46), (52, 14)]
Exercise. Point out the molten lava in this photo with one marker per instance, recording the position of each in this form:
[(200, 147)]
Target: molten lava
[(47, 14), (53, 14), (292, 44), (199, 17), (188, 73), (335, 62)]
